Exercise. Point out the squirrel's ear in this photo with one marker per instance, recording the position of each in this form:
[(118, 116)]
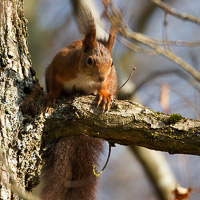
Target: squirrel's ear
[(111, 39), (89, 41), (87, 28)]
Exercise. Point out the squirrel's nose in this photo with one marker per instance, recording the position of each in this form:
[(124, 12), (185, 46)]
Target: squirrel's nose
[(101, 78)]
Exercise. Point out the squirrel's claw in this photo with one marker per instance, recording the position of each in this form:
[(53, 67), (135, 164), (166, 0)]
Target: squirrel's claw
[(105, 99), (49, 103), (100, 97), (109, 102)]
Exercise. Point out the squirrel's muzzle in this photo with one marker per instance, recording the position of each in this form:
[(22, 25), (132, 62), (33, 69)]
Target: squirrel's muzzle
[(101, 78)]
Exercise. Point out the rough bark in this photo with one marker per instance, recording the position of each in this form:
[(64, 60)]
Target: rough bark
[(20, 133), (126, 123)]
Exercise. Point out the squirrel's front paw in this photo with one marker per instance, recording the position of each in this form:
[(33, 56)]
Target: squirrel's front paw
[(106, 99)]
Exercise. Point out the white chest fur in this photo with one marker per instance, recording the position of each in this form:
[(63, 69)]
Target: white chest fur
[(82, 84)]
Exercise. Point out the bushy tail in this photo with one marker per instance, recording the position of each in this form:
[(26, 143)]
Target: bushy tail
[(67, 173)]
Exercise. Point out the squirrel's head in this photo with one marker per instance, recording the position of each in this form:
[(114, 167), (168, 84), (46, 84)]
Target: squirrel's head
[(96, 60)]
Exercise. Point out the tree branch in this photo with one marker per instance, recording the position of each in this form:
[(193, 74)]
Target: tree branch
[(126, 123), (160, 50), (116, 19), (173, 12)]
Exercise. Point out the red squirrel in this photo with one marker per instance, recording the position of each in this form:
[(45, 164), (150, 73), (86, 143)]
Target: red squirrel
[(86, 67)]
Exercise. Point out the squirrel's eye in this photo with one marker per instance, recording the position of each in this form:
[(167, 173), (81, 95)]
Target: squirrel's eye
[(89, 61), (112, 64)]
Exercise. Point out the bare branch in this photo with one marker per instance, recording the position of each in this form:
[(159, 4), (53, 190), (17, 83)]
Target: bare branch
[(160, 50), (165, 32), (152, 52), (173, 12), (177, 42), (116, 19), (126, 123)]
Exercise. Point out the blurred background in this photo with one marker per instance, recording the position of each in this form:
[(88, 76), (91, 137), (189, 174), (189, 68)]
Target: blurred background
[(157, 83)]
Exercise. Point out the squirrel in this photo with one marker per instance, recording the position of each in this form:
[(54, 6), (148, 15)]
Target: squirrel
[(85, 67)]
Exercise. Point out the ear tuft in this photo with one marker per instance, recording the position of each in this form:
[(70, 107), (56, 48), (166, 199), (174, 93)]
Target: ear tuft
[(111, 39), (88, 29)]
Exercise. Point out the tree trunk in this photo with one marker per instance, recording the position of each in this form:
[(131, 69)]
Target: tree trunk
[(20, 138)]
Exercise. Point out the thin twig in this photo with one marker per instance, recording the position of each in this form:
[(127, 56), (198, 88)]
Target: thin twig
[(114, 17), (177, 42), (165, 33), (109, 152), (137, 48), (173, 12), (167, 53), (134, 68)]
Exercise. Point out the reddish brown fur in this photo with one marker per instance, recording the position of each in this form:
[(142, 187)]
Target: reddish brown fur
[(67, 173), (84, 66), (70, 64)]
